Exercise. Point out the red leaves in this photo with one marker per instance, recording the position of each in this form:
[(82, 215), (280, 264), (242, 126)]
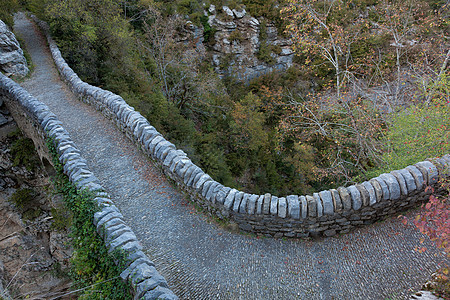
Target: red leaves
[(435, 222)]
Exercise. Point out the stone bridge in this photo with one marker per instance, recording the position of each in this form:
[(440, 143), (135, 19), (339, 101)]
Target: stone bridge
[(199, 259)]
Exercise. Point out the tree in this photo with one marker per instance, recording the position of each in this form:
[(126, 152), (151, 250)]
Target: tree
[(327, 29)]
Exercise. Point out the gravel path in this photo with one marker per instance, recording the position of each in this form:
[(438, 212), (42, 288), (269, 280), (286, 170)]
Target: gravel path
[(201, 260)]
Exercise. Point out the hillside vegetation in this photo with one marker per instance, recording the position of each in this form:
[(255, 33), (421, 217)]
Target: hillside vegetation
[(369, 91)]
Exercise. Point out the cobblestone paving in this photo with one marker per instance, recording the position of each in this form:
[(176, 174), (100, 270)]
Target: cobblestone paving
[(203, 261)]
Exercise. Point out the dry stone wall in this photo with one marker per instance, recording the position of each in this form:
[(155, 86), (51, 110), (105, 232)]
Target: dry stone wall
[(324, 213), (40, 123)]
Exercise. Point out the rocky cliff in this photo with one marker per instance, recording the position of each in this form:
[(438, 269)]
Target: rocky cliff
[(241, 45), (12, 60)]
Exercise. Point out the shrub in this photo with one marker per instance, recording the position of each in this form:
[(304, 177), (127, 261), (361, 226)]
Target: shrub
[(23, 198), (24, 153)]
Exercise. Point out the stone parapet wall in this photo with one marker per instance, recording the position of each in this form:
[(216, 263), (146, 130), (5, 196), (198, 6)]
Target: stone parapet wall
[(38, 122), (324, 213)]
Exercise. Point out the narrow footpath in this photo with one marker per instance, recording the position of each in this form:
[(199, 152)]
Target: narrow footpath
[(203, 261)]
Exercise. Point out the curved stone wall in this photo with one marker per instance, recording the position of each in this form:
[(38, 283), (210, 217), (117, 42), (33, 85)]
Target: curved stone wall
[(38, 122), (327, 212)]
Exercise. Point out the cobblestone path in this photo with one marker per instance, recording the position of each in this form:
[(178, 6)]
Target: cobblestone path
[(203, 261)]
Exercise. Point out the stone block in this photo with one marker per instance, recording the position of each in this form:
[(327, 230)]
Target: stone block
[(159, 293), (237, 201), (229, 199), (327, 201), (293, 206), (153, 143), (98, 216), (401, 182), (222, 194), (393, 185), (162, 149), (304, 207), (211, 194), (432, 172), (149, 284), (206, 186), (312, 206), (243, 205), (409, 179), (203, 178), (319, 204), (365, 198), (282, 207), (131, 246), (274, 205), (356, 197), (251, 206), (372, 193), (345, 198), (141, 272), (266, 203), (384, 187), (195, 175), (337, 203), (260, 204)]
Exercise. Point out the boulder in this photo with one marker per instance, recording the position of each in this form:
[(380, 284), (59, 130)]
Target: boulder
[(12, 60)]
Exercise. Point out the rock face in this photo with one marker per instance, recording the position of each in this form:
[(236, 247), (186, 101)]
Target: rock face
[(12, 61), (243, 46)]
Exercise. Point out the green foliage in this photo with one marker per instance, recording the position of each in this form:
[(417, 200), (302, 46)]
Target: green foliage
[(8, 8), (23, 198), (62, 218), (24, 153), (419, 132), (208, 31), (235, 36), (92, 267), (25, 201)]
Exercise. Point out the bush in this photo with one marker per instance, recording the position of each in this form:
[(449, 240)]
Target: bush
[(23, 198), (24, 153), (419, 132)]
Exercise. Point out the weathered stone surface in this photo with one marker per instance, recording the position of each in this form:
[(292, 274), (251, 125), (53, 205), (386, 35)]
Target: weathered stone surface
[(345, 198), (274, 205), (312, 206), (293, 206), (431, 171), (222, 194), (229, 200), (104, 212), (149, 284), (123, 239), (237, 201), (266, 203), (393, 185), (327, 201), (243, 205), (378, 190), (142, 272), (251, 206), (401, 182), (282, 207), (384, 187), (364, 194), (260, 204), (337, 203), (409, 179), (304, 207), (356, 197), (159, 293), (12, 60), (372, 194), (211, 195)]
